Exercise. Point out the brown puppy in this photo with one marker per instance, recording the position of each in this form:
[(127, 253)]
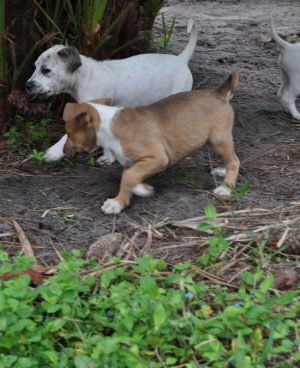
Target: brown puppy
[(146, 140)]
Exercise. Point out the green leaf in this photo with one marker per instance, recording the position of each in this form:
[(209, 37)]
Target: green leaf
[(51, 356), (248, 278), (171, 361), (82, 361), (204, 227), (3, 256), (267, 284), (243, 189), (287, 298), (182, 266), (3, 323), (25, 363), (159, 315), (8, 360), (56, 325), (297, 356), (210, 212), (107, 277), (149, 286)]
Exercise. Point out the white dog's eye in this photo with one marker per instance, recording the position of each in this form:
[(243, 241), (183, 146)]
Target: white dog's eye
[(45, 70)]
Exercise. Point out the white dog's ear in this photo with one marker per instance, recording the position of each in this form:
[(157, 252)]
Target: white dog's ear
[(71, 110), (71, 57), (103, 101)]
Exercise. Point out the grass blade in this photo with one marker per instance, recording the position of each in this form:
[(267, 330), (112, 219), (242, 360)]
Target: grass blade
[(51, 21), (72, 17), (98, 11), (106, 36)]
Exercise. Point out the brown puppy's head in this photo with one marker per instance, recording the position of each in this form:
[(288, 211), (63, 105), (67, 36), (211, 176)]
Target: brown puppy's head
[(82, 122)]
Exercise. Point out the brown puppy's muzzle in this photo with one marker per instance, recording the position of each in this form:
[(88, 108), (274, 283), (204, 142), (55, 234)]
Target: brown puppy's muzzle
[(69, 150)]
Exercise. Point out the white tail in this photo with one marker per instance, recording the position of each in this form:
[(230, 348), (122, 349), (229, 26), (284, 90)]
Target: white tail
[(280, 42), (190, 47)]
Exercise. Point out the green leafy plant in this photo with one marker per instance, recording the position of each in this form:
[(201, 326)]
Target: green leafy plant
[(36, 132), (28, 136), (217, 242), (14, 137), (84, 18), (167, 30), (38, 156), (238, 192), (91, 161), (143, 314), (95, 26)]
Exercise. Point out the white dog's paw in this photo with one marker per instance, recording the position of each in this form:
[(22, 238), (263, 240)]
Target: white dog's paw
[(222, 191), (143, 190), (53, 153), (106, 159), (112, 207), (56, 152), (219, 171)]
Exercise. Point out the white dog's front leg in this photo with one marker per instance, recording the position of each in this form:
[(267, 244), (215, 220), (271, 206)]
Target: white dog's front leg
[(107, 158), (55, 152)]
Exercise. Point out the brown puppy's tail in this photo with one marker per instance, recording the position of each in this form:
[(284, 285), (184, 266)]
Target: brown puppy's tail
[(227, 89)]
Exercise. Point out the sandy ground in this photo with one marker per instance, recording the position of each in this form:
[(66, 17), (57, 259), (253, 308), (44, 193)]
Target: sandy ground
[(59, 205)]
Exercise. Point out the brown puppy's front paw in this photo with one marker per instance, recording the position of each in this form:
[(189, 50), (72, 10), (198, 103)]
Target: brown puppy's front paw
[(112, 206)]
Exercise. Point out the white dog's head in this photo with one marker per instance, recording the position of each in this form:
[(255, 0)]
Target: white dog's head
[(54, 71)]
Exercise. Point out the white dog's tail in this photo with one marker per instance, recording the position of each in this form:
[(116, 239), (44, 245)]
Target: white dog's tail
[(280, 42), (190, 47)]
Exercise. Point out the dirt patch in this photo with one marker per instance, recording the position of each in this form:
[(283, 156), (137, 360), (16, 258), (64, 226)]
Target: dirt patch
[(58, 206)]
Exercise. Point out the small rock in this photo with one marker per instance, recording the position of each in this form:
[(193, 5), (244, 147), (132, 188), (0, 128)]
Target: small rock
[(106, 245), (285, 279)]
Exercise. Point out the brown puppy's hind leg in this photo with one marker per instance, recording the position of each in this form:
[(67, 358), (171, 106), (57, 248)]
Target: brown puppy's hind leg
[(222, 143)]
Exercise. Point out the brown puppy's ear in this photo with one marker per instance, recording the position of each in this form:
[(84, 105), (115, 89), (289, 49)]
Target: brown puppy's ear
[(71, 110), (71, 57), (103, 101), (83, 120)]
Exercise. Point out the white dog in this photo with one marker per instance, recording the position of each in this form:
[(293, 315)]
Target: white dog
[(289, 61), (138, 80)]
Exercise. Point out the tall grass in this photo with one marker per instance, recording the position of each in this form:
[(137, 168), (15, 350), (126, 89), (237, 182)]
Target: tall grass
[(81, 19), (99, 28)]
